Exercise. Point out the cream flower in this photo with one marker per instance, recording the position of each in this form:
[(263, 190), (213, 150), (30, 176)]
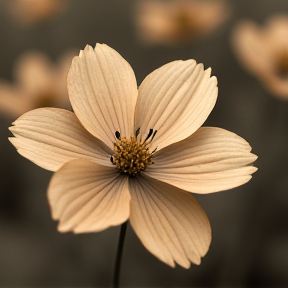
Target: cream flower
[(135, 154), (33, 11), (264, 52), (39, 83), (177, 21)]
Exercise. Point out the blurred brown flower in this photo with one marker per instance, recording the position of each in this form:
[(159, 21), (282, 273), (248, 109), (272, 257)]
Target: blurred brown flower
[(264, 52), (39, 83), (33, 11), (129, 153), (178, 21)]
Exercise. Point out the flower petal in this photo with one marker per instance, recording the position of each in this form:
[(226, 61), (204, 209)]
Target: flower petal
[(13, 102), (253, 47), (169, 222), (103, 91), (175, 100), (35, 74), (50, 137), (211, 160), (87, 197)]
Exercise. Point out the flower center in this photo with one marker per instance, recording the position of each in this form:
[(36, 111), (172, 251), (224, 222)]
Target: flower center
[(186, 26), (132, 156), (282, 66), (45, 99)]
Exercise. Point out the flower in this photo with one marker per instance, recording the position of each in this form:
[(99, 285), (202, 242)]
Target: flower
[(135, 154), (263, 51), (33, 11), (39, 83), (178, 21)]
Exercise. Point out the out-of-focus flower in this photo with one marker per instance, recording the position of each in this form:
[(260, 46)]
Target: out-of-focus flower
[(39, 83), (135, 154), (264, 52), (178, 21), (33, 11)]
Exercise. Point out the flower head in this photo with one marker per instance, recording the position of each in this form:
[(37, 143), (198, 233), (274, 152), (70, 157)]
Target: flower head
[(39, 83), (264, 52), (33, 11), (128, 153), (178, 21)]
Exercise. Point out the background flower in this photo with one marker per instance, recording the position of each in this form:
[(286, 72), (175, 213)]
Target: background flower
[(178, 21), (264, 52), (39, 83), (32, 11)]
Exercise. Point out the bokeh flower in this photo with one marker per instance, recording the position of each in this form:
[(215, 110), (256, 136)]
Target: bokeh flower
[(129, 153), (33, 11), (263, 51), (178, 21), (38, 83)]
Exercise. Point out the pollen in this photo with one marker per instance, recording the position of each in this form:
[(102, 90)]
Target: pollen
[(130, 155)]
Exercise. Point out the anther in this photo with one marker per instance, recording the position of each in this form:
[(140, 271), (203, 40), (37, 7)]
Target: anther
[(117, 134), (149, 135), (153, 135), (154, 151), (137, 132)]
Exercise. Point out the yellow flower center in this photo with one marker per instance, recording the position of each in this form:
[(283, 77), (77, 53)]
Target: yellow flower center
[(186, 26), (45, 99), (130, 155), (282, 65)]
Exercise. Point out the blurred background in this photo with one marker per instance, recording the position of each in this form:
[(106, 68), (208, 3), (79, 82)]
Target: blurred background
[(249, 223)]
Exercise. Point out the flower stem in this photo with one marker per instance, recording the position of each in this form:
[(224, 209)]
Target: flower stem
[(119, 255)]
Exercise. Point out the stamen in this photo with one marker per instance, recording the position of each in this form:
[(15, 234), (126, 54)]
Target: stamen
[(153, 135), (149, 134), (131, 156), (154, 151), (117, 134), (137, 132)]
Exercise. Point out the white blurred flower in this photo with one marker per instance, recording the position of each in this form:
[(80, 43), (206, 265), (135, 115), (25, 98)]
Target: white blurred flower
[(263, 51), (38, 83), (33, 11), (177, 21)]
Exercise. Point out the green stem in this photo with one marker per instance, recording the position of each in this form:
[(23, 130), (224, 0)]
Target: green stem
[(119, 255)]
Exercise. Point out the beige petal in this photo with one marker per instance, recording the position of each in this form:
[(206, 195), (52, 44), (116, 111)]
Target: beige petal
[(169, 222), (103, 92), (175, 100), (13, 102), (30, 12), (35, 75), (211, 160), (276, 85), (277, 31), (253, 47), (50, 137), (87, 197), (207, 15)]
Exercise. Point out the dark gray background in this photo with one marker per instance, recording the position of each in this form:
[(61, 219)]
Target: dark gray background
[(249, 223)]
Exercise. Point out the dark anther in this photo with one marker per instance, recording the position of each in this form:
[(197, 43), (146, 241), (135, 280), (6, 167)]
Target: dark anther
[(154, 150), (137, 132), (149, 135), (117, 134), (111, 159), (153, 135)]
